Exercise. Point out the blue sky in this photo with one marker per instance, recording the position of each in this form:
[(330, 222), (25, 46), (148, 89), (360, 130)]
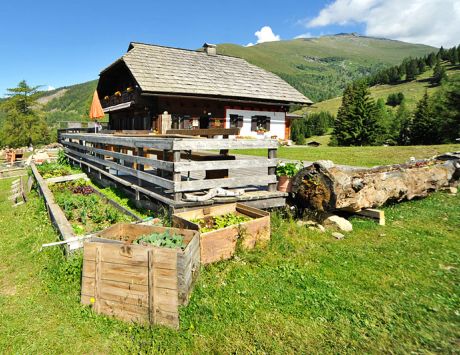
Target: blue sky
[(59, 43)]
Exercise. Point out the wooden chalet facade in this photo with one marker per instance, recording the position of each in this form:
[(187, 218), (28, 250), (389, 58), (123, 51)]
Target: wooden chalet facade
[(198, 89)]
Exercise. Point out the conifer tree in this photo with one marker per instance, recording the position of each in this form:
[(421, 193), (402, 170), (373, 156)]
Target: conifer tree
[(424, 128), (439, 74), (23, 125), (356, 119), (400, 127)]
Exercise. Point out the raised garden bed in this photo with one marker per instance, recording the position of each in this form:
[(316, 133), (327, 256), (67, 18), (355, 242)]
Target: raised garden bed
[(54, 170), (139, 282), (224, 227), (85, 208)]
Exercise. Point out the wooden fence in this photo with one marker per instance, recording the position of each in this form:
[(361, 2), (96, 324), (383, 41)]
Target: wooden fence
[(165, 167)]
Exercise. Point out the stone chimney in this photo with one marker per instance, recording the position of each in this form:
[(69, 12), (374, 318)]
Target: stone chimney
[(210, 49)]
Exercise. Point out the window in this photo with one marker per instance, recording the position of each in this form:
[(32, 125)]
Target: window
[(236, 121), (260, 123)]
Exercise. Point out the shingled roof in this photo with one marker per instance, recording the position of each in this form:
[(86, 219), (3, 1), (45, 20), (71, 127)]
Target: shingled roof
[(160, 69)]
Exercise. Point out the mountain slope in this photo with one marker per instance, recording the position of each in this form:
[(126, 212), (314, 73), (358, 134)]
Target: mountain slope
[(318, 67), (321, 67), (412, 90)]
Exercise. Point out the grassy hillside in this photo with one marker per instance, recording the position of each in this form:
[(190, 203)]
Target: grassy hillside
[(321, 67), (318, 67), (413, 91)]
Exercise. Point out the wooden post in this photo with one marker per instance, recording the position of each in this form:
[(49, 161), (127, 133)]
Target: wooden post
[(271, 170), (140, 167), (176, 175)]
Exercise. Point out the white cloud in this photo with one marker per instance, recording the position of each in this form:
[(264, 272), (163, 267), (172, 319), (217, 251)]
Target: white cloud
[(265, 34), (305, 35), (433, 22)]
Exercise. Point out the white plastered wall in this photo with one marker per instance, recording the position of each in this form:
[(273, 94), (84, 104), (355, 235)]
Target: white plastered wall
[(277, 122)]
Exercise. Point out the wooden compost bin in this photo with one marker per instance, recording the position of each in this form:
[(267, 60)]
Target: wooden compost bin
[(221, 244), (139, 283)]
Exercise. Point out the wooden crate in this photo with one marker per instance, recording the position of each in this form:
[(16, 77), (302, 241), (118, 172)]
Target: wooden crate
[(221, 244), (139, 283)]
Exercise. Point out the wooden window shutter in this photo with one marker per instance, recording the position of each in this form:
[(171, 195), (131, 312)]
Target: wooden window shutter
[(267, 123), (254, 123)]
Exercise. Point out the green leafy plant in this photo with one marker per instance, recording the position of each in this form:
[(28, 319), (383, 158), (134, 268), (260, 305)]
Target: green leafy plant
[(165, 240), (288, 169), (209, 224), (62, 158)]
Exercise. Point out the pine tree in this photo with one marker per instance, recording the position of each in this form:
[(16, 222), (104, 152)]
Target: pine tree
[(439, 74), (343, 133), (411, 70), (356, 119), (454, 56), (431, 60), (400, 127), (424, 128), (446, 102), (23, 125)]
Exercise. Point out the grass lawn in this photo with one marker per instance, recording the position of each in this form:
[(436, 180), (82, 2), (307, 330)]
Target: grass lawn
[(357, 156), (381, 289)]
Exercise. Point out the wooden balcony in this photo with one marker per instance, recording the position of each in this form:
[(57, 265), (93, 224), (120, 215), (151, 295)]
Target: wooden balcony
[(170, 169)]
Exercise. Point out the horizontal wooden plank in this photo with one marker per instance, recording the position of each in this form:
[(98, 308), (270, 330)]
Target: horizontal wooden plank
[(124, 292), (165, 278), (133, 142), (206, 144), (224, 164), (115, 253), (118, 272), (197, 185), (160, 164), (166, 300), (66, 178), (120, 310), (123, 182), (168, 184), (165, 258), (87, 285), (206, 131)]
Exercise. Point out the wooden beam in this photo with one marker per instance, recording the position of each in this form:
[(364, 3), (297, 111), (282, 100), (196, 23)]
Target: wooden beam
[(66, 178), (224, 164), (197, 185), (373, 213), (123, 182), (216, 144), (206, 131), (160, 164), (156, 180)]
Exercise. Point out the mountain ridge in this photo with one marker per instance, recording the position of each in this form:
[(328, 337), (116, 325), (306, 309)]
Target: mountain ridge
[(318, 67)]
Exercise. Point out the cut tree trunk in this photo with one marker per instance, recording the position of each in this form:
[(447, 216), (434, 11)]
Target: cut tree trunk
[(324, 186)]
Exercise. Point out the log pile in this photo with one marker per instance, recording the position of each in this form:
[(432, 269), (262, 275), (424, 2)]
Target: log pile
[(324, 186)]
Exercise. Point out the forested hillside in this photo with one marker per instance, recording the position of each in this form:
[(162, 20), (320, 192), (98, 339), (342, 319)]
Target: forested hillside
[(321, 67), (318, 67)]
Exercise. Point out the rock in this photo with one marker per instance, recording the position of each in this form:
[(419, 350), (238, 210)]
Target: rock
[(337, 222), (302, 223), (338, 235), (321, 228)]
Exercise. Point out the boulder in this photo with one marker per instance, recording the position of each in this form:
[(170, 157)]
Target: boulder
[(339, 223)]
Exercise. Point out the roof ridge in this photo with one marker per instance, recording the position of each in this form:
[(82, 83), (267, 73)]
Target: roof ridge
[(180, 49)]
